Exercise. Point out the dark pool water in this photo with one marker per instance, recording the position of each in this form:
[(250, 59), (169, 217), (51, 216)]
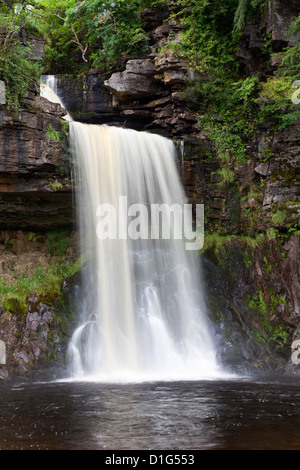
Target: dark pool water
[(234, 414)]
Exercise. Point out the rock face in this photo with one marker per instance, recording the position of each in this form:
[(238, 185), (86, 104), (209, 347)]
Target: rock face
[(35, 44), (35, 185), (253, 296), (281, 172), (278, 18), (251, 258), (35, 316), (275, 23), (31, 342), (145, 95)]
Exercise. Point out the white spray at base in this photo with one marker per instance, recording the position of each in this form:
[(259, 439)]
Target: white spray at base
[(142, 317)]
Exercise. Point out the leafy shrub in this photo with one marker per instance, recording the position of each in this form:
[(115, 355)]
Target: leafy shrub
[(17, 70), (18, 73), (275, 100), (291, 55)]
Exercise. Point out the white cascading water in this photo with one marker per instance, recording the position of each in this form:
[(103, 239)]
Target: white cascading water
[(49, 91), (143, 317)]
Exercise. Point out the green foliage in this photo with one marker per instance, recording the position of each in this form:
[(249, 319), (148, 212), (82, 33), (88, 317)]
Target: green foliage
[(227, 176), (291, 55), (279, 217), (271, 233), (269, 332), (243, 9), (17, 70), (218, 243), (96, 32), (288, 119), (207, 42), (52, 134), (276, 91), (229, 109), (18, 73), (228, 144), (57, 241), (62, 53), (275, 101), (55, 186), (80, 35), (45, 282), (240, 15)]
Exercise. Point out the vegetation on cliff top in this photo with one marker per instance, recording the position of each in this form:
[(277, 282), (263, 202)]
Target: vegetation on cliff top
[(78, 36), (100, 33)]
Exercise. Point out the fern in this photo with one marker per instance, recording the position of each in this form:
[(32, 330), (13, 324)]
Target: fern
[(240, 15)]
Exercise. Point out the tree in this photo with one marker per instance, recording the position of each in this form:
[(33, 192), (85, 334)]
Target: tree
[(17, 70)]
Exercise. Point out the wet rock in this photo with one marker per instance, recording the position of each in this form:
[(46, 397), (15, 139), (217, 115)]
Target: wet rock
[(250, 336), (33, 322), (263, 169), (2, 353), (34, 342), (32, 303), (291, 277)]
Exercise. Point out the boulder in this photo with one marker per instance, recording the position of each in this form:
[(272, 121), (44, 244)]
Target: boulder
[(135, 82)]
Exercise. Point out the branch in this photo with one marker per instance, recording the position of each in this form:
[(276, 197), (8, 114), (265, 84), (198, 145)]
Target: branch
[(83, 49)]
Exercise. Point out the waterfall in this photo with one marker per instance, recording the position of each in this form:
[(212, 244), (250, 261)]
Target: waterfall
[(49, 91), (143, 317), (141, 311)]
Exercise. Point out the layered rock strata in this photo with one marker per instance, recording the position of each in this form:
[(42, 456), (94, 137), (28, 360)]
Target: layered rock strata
[(35, 177)]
